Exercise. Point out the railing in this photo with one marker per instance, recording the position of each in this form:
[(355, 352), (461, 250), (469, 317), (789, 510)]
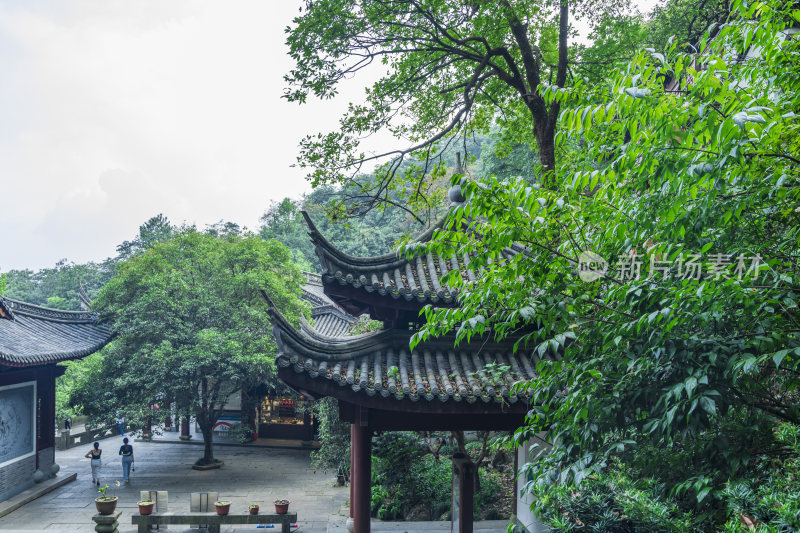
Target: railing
[(65, 439)]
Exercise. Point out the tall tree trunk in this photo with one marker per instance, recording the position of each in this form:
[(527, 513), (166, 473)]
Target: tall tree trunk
[(547, 157), (545, 121), (206, 422), (208, 446)]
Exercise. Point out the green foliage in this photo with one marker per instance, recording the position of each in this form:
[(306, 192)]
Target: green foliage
[(191, 325), (409, 481), (616, 500), (59, 286), (75, 377), (699, 362), (506, 159), (3, 283), (374, 234), (334, 437), (449, 71), (156, 229), (771, 495), (685, 21), (240, 433)]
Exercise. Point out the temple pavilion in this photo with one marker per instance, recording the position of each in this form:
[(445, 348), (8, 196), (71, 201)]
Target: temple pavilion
[(380, 384), (33, 340)]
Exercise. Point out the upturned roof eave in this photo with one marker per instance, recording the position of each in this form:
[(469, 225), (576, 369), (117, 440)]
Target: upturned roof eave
[(327, 252)]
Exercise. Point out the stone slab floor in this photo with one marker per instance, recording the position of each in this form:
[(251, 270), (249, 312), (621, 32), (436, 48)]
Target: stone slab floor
[(249, 475)]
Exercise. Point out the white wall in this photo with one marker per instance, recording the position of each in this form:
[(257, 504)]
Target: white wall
[(525, 516)]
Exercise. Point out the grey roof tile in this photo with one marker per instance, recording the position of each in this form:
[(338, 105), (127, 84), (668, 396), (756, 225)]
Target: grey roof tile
[(381, 363), (329, 319), (419, 278), (32, 335)]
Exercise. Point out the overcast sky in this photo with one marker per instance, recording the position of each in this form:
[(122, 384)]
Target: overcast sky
[(112, 111)]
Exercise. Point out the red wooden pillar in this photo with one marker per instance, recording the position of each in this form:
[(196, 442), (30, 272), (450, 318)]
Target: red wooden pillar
[(352, 465), (360, 477), (463, 491), (185, 428)]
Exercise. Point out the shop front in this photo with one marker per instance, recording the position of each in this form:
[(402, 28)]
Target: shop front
[(282, 415)]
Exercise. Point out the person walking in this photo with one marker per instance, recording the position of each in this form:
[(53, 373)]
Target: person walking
[(94, 454), (126, 451), (121, 424)]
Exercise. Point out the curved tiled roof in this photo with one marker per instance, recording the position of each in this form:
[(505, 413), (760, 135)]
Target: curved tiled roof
[(329, 318), (417, 279), (381, 364), (32, 335), (332, 321)]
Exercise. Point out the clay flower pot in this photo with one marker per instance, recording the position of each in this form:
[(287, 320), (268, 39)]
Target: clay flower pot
[(253, 509), (105, 504), (146, 507), (222, 507), (281, 506)]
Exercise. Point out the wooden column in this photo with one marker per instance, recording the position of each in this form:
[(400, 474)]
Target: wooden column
[(308, 429), (185, 428), (463, 492), (360, 477), (352, 466)]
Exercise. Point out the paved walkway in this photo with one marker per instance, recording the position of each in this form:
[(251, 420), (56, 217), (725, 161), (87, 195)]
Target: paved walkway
[(250, 474)]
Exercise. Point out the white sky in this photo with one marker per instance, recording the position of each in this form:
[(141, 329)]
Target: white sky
[(112, 111)]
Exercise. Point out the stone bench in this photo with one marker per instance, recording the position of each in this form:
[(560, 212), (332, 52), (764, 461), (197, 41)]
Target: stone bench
[(213, 520)]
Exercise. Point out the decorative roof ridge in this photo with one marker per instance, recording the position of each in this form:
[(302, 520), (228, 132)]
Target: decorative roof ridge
[(333, 309), (387, 260), (323, 346), (337, 349), (17, 307), (313, 298), (86, 302), (313, 333), (5, 310), (312, 278)]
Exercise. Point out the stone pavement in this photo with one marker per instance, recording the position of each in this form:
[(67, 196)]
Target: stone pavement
[(250, 474)]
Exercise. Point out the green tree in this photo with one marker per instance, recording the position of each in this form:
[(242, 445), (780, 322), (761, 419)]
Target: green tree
[(59, 286), (284, 223), (699, 356), (154, 230), (191, 325), (450, 69)]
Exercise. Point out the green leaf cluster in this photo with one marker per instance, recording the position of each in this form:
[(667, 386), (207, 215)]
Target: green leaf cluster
[(191, 325), (687, 152)]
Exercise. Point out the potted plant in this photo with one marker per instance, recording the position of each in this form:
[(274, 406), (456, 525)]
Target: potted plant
[(105, 504), (223, 506), (253, 508), (281, 506), (145, 507)]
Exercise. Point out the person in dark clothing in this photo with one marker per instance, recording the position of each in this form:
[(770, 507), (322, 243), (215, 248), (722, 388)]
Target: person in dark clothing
[(67, 423), (94, 454), (126, 451)]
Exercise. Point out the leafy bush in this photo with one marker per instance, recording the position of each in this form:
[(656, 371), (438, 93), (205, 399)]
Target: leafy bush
[(770, 499), (617, 500), (405, 480), (240, 433), (334, 436)]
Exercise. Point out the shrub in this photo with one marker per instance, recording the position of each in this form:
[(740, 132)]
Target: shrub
[(614, 501), (770, 498)]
